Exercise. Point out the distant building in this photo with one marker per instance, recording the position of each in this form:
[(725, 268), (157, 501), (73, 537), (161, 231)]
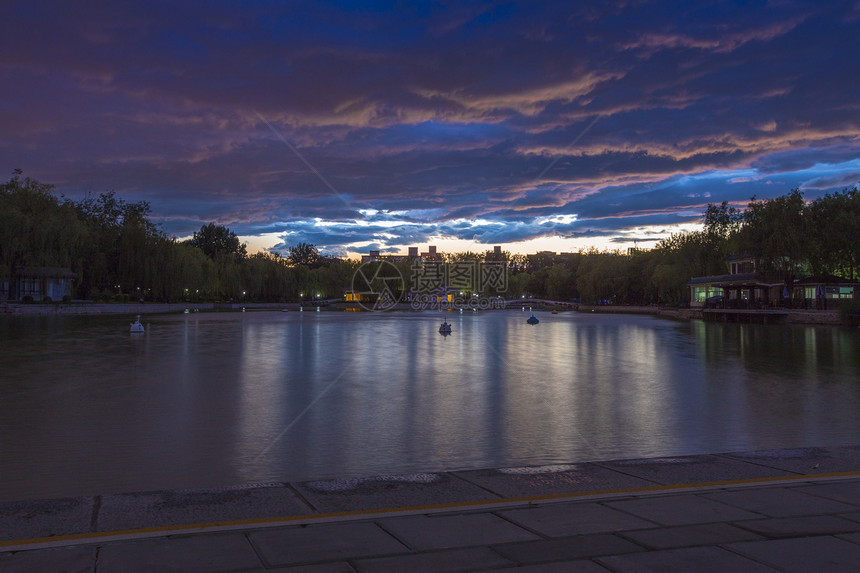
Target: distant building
[(351, 295), (430, 255), (38, 283), (743, 286), (541, 259), (824, 291), (371, 256)]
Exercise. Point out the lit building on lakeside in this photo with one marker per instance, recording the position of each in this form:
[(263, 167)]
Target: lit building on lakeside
[(744, 287), (37, 283)]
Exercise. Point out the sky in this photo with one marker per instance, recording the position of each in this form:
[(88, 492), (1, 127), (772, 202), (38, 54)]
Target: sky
[(555, 125)]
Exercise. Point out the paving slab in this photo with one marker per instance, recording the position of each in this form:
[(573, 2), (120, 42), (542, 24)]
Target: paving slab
[(320, 543), (800, 526), (805, 460), (45, 518), (192, 554), (693, 469), (779, 502), (450, 561), (339, 567), (62, 560), (805, 554), (566, 519), (852, 537), (690, 535), (425, 533), (844, 491), (681, 509), (182, 507), (581, 566), (409, 490), (567, 549), (698, 559), (548, 480), (729, 527)]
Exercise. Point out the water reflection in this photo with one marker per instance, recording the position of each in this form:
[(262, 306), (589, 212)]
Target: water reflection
[(212, 399), (792, 383)]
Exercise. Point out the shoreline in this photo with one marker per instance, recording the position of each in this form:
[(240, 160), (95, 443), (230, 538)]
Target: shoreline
[(810, 317), (38, 520), (96, 308)]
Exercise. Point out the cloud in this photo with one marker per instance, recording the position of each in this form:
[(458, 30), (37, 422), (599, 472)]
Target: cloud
[(466, 121), (829, 182)]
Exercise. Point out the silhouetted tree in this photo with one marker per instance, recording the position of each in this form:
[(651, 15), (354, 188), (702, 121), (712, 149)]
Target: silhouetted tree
[(215, 240), (834, 233), (775, 234), (304, 254), (36, 229)]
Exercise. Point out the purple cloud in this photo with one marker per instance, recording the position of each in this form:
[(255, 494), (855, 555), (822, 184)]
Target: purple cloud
[(478, 121)]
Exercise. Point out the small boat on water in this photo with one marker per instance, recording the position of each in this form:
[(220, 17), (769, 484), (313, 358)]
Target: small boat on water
[(533, 320), (136, 326), (445, 328), (554, 311)]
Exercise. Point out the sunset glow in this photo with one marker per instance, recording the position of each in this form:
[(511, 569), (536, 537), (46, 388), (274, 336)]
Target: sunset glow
[(536, 126)]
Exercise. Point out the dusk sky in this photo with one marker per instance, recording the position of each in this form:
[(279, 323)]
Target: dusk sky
[(534, 125)]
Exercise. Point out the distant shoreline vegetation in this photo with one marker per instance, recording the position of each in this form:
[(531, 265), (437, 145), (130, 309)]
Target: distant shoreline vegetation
[(116, 253)]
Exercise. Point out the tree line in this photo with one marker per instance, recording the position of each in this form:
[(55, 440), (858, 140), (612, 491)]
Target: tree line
[(118, 253)]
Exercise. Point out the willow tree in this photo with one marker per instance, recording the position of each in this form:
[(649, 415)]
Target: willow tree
[(601, 276), (36, 229), (775, 233), (217, 240), (834, 224), (120, 240), (304, 254)]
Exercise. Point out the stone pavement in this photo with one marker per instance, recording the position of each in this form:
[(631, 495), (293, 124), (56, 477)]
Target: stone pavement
[(778, 510)]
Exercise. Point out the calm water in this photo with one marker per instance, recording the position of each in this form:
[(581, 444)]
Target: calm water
[(202, 400)]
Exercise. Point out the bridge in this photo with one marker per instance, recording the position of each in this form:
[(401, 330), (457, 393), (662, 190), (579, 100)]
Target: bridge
[(540, 302)]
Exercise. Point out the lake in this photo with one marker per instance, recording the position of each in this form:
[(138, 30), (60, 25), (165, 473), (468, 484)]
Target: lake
[(215, 399)]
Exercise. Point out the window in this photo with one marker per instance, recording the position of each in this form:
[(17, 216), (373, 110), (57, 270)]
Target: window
[(839, 292), (703, 293)]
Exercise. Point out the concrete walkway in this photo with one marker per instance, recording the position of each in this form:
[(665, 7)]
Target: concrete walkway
[(780, 510)]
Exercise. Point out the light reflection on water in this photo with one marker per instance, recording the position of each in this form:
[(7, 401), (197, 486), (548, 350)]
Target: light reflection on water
[(217, 399)]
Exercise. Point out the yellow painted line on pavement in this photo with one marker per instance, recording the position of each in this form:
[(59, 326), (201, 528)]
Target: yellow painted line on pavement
[(223, 526)]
